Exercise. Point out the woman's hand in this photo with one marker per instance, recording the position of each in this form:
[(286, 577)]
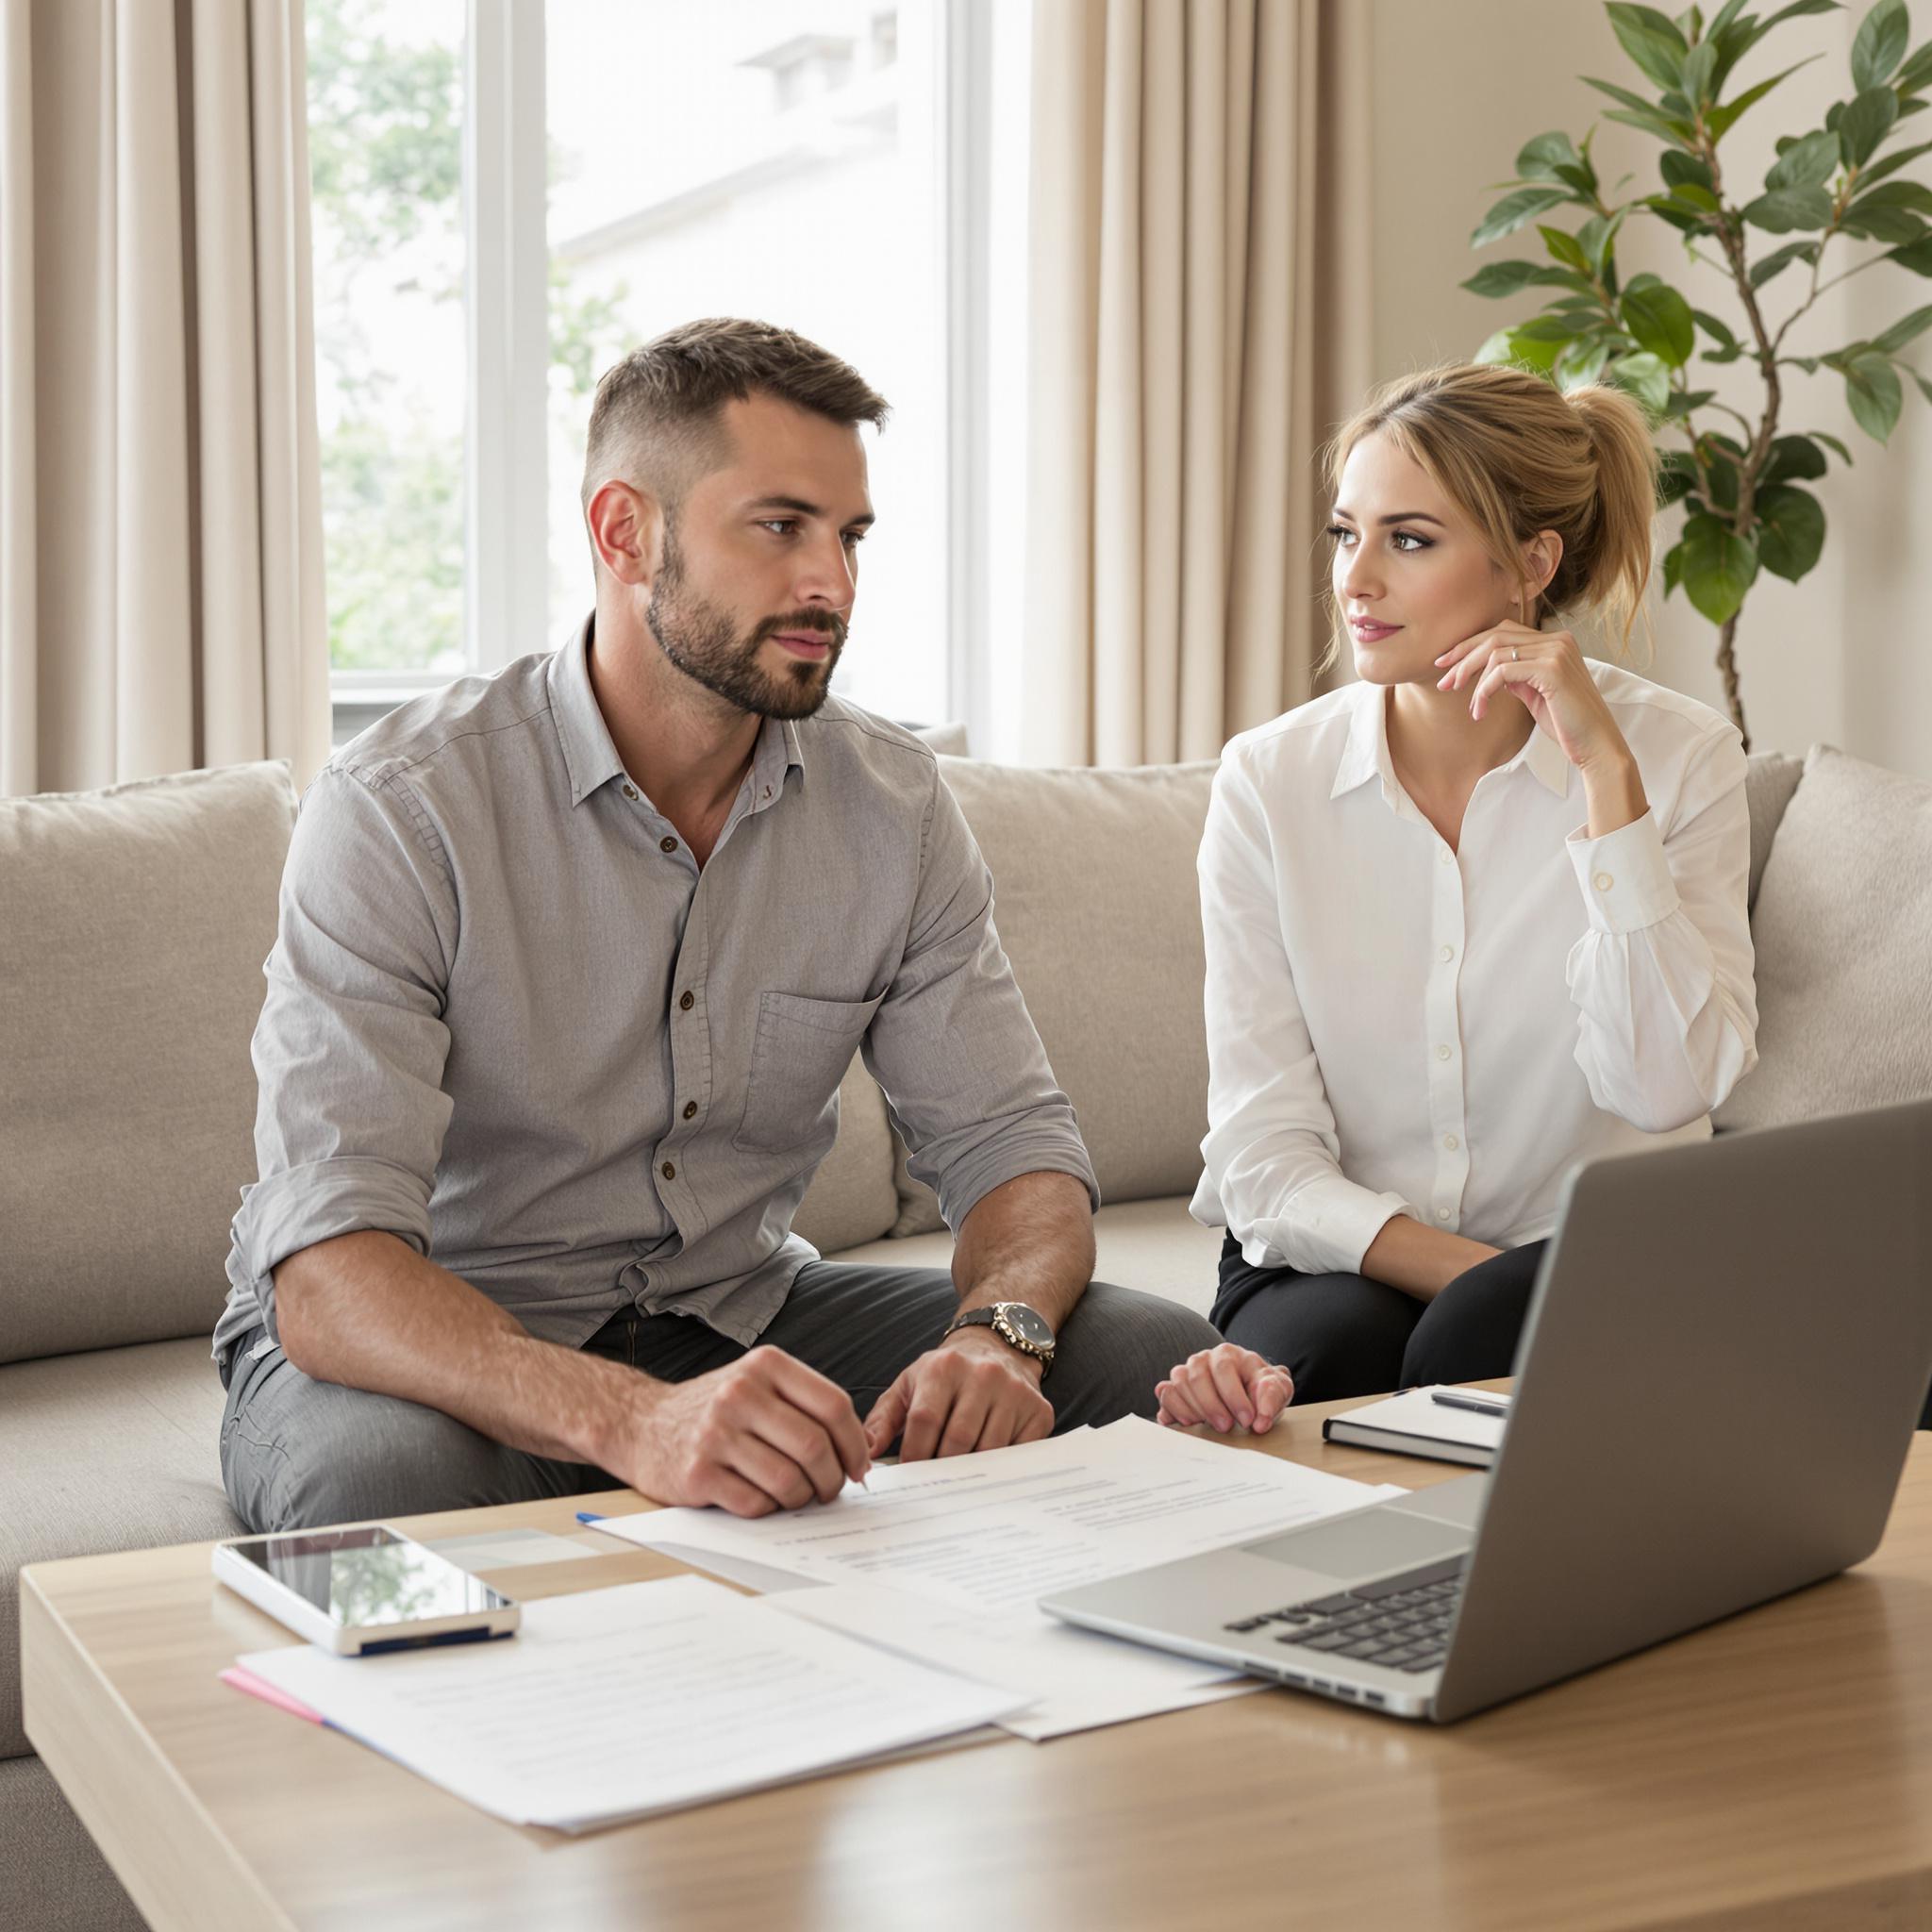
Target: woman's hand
[(1544, 669), (1223, 1386)]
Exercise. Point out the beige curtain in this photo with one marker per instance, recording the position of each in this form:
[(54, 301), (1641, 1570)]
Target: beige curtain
[(1200, 269), (161, 524)]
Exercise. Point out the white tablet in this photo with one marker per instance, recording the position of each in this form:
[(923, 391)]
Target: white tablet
[(359, 1590)]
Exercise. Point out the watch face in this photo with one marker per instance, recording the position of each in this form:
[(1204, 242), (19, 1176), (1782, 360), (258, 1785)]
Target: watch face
[(1027, 1325)]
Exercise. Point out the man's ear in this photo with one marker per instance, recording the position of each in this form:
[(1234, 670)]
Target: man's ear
[(627, 532)]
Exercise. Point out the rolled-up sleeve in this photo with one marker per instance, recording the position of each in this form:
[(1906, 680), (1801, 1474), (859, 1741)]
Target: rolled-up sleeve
[(1663, 977), (966, 1079), (1271, 1154), (350, 1048)]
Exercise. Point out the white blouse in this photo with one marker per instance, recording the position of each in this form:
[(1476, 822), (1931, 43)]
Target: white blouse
[(1394, 1027)]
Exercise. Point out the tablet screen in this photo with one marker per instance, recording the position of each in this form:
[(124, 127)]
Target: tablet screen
[(364, 1577)]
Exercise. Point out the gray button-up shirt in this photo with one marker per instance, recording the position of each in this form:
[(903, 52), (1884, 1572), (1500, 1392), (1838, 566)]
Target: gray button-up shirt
[(510, 1020)]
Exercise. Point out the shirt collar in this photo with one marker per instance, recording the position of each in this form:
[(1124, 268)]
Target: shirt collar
[(589, 756), (1365, 755)]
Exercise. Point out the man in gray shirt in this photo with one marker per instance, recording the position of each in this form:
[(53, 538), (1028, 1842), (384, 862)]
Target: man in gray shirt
[(571, 962)]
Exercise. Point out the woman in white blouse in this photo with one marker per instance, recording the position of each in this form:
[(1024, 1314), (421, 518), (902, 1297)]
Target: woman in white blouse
[(1471, 920)]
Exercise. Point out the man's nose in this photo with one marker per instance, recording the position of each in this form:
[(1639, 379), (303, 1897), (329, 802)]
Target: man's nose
[(826, 574)]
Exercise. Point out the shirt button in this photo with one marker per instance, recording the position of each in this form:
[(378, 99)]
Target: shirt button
[(1441, 1214), (1603, 882), (666, 845), (1442, 1053), (630, 790), (691, 1108), (1446, 856), (1450, 1142), (686, 1002), (1448, 953), (669, 1171), (767, 792)]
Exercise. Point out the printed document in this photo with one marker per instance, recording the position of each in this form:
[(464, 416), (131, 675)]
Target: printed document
[(617, 1703), (936, 1549)]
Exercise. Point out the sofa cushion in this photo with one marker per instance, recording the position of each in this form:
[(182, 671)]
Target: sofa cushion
[(852, 1198), (1770, 779), (1843, 932), (137, 920), (1097, 907), (114, 1450)]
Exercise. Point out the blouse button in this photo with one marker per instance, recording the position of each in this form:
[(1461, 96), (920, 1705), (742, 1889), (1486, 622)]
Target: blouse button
[(1448, 953), (1450, 1142), (1441, 1214), (1445, 857), (1442, 1053), (1603, 882)]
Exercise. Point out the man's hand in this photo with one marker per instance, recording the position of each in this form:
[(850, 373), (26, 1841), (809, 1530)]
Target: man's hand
[(973, 1392), (766, 1433)]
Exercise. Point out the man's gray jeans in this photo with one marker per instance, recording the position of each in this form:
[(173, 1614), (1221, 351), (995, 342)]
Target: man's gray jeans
[(297, 1452)]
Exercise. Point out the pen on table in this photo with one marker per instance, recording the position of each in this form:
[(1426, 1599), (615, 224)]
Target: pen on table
[(1480, 1403)]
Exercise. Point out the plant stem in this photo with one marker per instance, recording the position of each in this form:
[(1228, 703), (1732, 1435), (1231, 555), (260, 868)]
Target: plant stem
[(1727, 670)]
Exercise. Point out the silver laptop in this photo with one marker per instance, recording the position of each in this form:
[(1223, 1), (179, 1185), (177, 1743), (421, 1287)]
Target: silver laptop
[(1726, 1353)]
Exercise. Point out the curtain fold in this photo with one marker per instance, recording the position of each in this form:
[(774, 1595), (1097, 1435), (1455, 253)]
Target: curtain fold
[(1199, 297), (161, 601)]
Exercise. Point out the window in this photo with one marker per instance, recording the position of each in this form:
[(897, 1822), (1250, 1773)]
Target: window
[(509, 196)]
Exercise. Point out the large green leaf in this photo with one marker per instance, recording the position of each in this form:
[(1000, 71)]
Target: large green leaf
[(1598, 236), (1880, 44), (1719, 121), (1728, 347), (1790, 530), (1867, 119), (1892, 225), (1684, 400), (1644, 377), (1512, 213), (1660, 321), (1791, 457), (1786, 208), (1639, 112), (1581, 362), (1873, 395), (1781, 259), (1907, 194), (1903, 331), (1917, 256), (1805, 163), (1681, 169), (1563, 247), (1831, 442), (1718, 567), (1894, 162), (1511, 277), (1674, 566), (1539, 158), (1652, 40), (1699, 73), (1916, 72)]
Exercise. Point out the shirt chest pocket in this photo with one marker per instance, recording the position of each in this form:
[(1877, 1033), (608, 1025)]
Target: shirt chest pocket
[(799, 1055)]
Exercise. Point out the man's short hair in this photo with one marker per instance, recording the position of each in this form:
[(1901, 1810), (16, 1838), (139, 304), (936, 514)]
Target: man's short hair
[(655, 420)]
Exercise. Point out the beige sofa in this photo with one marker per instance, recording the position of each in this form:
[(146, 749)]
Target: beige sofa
[(133, 924)]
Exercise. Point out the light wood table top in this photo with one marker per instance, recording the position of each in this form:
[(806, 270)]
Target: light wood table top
[(1770, 1772)]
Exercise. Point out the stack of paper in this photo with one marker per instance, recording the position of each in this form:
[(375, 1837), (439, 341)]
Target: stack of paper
[(946, 1561), (616, 1703)]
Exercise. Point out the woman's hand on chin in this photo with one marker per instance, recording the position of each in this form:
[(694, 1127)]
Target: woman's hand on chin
[(1223, 1387), (1544, 669)]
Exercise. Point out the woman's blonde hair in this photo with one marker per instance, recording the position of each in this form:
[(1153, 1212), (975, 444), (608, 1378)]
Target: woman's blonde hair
[(1517, 455)]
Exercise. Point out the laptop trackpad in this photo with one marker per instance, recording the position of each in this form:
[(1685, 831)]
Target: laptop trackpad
[(1365, 1545)]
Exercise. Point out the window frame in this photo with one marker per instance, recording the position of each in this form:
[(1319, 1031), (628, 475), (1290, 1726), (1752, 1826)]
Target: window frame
[(506, 285)]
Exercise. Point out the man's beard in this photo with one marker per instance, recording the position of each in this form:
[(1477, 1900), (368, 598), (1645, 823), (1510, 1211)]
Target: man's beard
[(703, 642)]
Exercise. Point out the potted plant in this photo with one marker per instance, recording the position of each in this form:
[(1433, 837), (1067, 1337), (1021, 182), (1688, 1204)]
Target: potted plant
[(1741, 480)]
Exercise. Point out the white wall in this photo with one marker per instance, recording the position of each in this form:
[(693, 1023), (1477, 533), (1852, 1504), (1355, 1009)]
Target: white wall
[(1845, 656)]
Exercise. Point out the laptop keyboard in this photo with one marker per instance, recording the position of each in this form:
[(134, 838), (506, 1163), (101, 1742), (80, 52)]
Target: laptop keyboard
[(1401, 1622)]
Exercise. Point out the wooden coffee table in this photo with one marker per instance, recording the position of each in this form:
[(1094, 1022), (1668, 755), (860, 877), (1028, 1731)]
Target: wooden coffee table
[(1772, 1773)]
